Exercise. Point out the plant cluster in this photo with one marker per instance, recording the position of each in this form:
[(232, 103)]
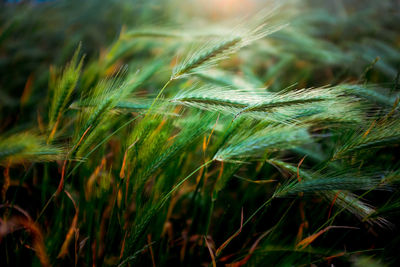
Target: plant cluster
[(268, 141)]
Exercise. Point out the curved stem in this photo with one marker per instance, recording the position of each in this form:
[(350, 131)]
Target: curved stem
[(165, 198), (158, 96)]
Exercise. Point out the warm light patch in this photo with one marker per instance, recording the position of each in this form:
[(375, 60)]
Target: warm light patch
[(227, 8)]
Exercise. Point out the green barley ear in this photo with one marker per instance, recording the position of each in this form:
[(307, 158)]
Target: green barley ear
[(64, 86), (207, 55), (27, 147), (217, 50), (311, 105), (132, 82), (213, 98), (100, 102), (253, 145), (326, 183), (341, 198), (372, 93), (377, 135)]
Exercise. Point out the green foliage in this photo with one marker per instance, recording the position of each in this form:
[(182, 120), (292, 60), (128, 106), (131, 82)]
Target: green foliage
[(272, 141)]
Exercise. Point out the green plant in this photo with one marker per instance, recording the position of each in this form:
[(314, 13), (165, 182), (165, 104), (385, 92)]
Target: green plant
[(254, 149)]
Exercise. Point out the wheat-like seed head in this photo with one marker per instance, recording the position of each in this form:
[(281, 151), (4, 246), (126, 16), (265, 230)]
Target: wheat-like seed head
[(218, 49)]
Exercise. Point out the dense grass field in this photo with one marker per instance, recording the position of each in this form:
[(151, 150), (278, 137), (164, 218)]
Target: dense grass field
[(199, 133)]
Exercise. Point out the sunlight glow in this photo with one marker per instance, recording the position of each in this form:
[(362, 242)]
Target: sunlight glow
[(227, 8)]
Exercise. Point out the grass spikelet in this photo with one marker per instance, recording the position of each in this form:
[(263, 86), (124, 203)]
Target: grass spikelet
[(63, 88), (223, 47), (372, 93), (332, 183), (103, 98), (377, 136), (27, 147), (216, 50), (294, 98), (193, 129), (343, 199), (304, 105), (253, 145), (215, 99)]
